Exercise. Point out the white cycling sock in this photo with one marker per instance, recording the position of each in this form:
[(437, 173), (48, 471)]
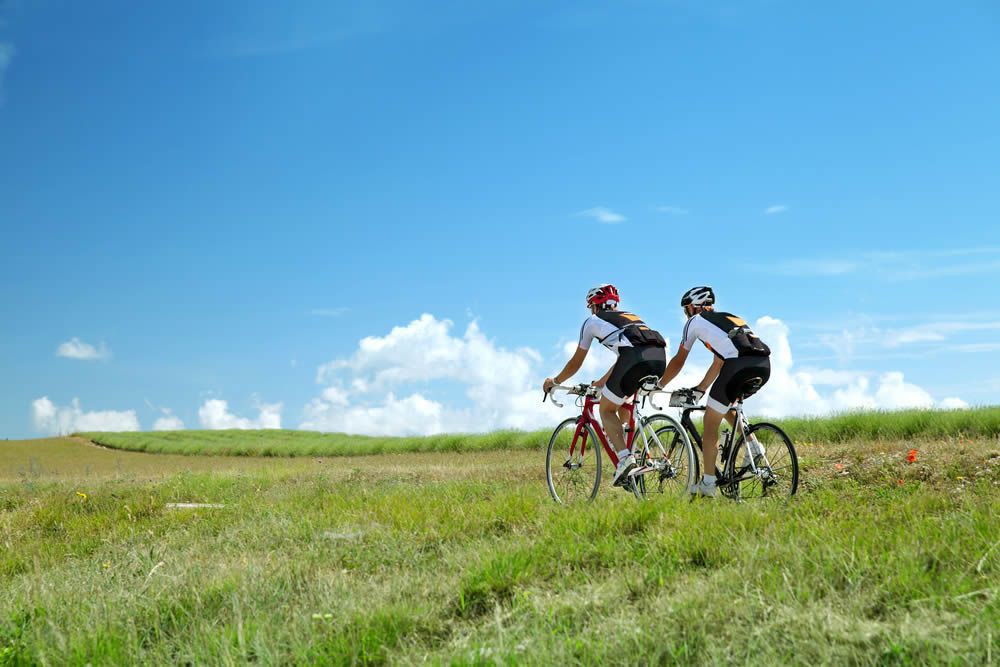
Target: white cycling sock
[(708, 480), (623, 454)]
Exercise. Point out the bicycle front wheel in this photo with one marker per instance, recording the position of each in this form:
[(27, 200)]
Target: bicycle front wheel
[(669, 457), (777, 468), (573, 463)]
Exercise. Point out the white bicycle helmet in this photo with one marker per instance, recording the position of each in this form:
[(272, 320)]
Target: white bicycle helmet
[(698, 296)]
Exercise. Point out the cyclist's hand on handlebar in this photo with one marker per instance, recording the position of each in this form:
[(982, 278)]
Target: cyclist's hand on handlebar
[(548, 384), (696, 394)]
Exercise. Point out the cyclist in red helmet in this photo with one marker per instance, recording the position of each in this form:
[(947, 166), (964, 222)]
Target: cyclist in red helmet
[(641, 352)]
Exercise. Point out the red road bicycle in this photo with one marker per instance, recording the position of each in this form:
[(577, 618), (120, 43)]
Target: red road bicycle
[(660, 444)]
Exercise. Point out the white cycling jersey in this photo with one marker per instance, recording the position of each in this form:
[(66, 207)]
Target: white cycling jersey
[(604, 331), (615, 329), (715, 337)]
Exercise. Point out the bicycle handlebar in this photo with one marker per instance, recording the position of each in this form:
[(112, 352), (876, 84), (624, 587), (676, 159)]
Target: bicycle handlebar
[(575, 390)]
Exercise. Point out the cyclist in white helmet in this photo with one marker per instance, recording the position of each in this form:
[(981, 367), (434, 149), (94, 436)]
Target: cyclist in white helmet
[(741, 367), (641, 352)]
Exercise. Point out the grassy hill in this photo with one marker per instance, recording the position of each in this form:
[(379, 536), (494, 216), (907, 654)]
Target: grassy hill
[(463, 559), (952, 425)]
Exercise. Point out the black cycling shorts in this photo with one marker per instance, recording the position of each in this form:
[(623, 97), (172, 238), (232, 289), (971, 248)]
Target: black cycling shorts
[(735, 379), (634, 363)]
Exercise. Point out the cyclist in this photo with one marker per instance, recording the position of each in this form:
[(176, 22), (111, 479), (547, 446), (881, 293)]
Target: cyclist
[(641, 352), (741, 367)]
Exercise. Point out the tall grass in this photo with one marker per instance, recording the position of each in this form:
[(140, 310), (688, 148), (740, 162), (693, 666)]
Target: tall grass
[(852, 427), (379, 568)]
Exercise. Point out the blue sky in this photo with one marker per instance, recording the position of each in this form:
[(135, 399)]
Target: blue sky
[(224, 198)]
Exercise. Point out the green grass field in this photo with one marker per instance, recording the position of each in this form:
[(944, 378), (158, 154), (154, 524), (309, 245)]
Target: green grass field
[(949, 425), (461, 558)]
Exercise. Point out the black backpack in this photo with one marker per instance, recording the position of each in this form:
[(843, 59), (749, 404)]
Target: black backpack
[(747, 343), (634, 329)]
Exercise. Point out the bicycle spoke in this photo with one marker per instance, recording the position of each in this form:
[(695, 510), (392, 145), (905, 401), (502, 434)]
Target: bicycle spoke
[(774, 475), (668, 458), (572, 477)]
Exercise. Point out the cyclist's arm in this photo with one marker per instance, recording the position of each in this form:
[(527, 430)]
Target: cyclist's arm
[(570, 369), (711, 374), (604, 380), (675, 366)]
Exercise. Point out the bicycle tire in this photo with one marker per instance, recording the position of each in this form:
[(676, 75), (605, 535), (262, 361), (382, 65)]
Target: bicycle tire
[(571, 476), (680, 453), (780, 478)]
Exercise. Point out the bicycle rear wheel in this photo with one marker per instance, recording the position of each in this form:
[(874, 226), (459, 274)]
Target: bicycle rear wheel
[(573, 463), (777, 476), (671, 457)]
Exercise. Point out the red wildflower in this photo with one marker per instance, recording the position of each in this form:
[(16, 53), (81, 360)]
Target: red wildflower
[(899, 482), (912, 456), (838, 466)]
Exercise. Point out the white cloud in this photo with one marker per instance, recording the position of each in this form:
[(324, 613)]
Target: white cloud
[(214, 414), (168, 422), (794, 392), (502, 386), (672, 210), (602, 214), (777, 208), (75, 348), (54, 420), (373, 391), (952, 403)]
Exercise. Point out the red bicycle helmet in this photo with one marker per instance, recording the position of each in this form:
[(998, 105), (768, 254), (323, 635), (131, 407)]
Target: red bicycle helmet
[(601, 295)]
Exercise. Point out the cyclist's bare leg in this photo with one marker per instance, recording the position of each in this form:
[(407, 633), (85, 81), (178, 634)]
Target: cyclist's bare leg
[(710, 446), (613, 423)]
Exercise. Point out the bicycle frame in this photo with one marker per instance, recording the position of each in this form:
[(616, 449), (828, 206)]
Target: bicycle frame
[(587, 417), (741, 423)]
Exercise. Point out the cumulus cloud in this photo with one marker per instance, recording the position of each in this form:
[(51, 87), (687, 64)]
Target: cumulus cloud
[(214, 414), (387, 386), (822, 391), (603, 214), (777, 208), (168, 422), (52, 419), (369, 391), (75, 348)]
